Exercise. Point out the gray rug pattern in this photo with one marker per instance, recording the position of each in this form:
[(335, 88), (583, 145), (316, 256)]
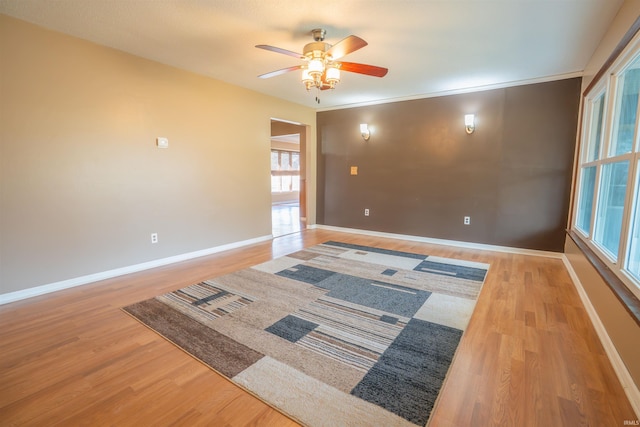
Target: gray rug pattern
[(335, 334)]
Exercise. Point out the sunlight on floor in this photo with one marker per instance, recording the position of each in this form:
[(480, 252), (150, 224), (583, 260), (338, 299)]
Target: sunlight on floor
[(285, 218)]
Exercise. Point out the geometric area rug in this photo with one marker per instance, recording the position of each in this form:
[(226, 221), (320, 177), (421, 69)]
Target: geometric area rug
[(333, 335)]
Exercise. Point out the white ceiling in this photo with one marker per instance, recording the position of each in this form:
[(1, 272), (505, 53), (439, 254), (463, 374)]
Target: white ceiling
[(430, 46)]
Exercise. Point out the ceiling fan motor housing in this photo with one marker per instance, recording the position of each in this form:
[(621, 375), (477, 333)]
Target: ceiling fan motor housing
[(315, 49)]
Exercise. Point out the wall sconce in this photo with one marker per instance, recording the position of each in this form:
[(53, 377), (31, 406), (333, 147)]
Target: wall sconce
[(469, 123), (364, 131)]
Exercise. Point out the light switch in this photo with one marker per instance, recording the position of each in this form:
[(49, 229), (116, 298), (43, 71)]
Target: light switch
[(354, 170), (162, 142)]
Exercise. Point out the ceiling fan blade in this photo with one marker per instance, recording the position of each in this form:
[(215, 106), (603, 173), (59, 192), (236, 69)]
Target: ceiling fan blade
[(279, 72), (280, 50), (346, 46), (369, 70)]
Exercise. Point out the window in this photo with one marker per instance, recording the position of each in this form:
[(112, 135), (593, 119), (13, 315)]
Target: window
[(633, 260), (626, 109), (285, 171), (607, 212), (613, 186), (588, 179), (596, 128)]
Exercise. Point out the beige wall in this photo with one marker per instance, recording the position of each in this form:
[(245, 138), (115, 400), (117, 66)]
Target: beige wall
[(621, 328), (626, 16), (83, 185)]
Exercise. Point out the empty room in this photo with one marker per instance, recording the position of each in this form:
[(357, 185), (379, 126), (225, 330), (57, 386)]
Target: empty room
[(339, 213)]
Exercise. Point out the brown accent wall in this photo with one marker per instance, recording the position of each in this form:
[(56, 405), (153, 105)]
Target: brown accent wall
[(420, 173)]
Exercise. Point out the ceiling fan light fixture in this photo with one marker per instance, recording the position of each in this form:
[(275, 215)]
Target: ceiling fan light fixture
[(333, 75), (307, 79), (316, 67), (322, 67), (306, 76)]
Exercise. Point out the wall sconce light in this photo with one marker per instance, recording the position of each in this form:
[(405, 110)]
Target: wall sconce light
[(364, 131), (469, 123)]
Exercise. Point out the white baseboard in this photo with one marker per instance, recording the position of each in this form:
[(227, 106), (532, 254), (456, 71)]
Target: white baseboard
[(456, 243), (629, 386), (83, 280)]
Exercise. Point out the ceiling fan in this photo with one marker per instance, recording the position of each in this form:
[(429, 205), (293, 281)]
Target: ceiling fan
[(320, 67)]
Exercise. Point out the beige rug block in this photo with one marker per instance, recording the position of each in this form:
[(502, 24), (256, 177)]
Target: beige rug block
[(298, 395)]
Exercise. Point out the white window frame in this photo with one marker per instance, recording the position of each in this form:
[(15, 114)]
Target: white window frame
[(608, 85), (602, 89), (286, 172)]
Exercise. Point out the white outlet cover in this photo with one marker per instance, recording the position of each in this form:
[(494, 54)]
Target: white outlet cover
[(162, 142)]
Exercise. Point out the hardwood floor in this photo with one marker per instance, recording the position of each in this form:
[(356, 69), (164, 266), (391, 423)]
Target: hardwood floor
[(285, 219), (530, 356)]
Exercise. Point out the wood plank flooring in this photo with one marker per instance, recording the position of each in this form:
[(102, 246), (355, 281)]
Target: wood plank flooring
[(530, 356)]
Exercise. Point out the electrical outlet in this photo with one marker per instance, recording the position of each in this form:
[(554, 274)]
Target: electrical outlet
[(154, 237), (366, 212), (467, 220)]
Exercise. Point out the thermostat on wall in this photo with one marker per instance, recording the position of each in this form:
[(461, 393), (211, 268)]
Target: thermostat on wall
[(162, 142)]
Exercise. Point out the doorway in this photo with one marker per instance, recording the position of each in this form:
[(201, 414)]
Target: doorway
[(288, 148)]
